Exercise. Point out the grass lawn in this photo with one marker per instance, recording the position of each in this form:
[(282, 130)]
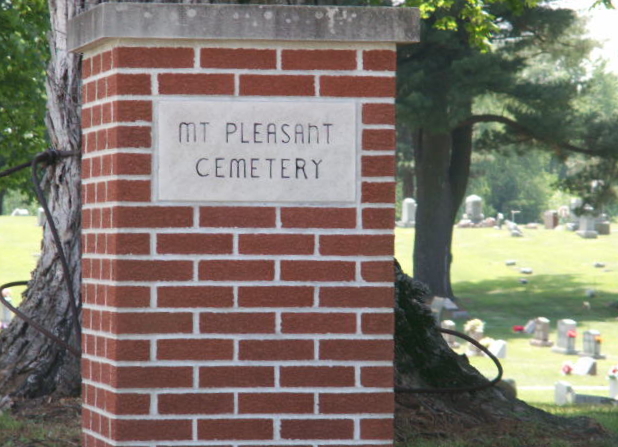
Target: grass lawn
[(20, 244), (563, 270)]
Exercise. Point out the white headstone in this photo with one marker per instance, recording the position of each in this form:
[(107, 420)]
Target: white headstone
[(408, 213), (450, 339), (498, 348), (474, 208), (563, 393), (587, 227), (541, 333), (585, 366), (592, 344), (567, 334)]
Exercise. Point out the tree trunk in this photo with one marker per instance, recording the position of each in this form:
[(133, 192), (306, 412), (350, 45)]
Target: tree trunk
[(31, 365), (442, 167)]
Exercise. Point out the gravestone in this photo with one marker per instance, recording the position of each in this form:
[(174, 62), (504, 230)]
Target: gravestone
[(613, 388), (408, 213), (442, 308), (541, 333), (238, 175), (587, 227), (449, 338), (592, 344), (474, 208), (498, 348), (585, 366), (567, 334), (563, 393), (550, 219)]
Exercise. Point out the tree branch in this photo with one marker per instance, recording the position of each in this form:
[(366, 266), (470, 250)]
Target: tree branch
[(525, 131)]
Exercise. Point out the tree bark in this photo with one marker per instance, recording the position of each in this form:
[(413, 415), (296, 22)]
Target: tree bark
[(30, 364)]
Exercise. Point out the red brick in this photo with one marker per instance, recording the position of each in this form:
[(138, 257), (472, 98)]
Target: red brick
[(317, 429), (233, 270), (318, 217), (128, 190), (379, 139), (154, 323), (378, 271), (357, 245), (275, 296), (86, 118), (152, 217), (209, 403), (276, 350), (153, 377), (127, 244), (128, 350), (357, 297), (123, 404), (237, 323), (378, 323), (247, 58), (128, 84), (164, 57), (318, 323), (273, 85), (356, 403), (377, 376), (106, 61), (357, 86), (379, 218), (380, 60), (368, 350), (377, 429), (129, 137), (101, 88), (186, 349), (237, 376), (277, 244), (378, 192), (195, 243), (86, 68), (318, 271), (150, 270), (196, 84), (195, 296), (380, 166), (106, 113), (127, 296), (317, 376), (96, 64), (275, 403), (130, 164), (379, 114), (238, 217), (235, 429), (152, 430), (318, 60), (131, 111)]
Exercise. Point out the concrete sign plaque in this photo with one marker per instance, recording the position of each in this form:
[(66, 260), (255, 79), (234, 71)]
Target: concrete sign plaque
[(221, 151)]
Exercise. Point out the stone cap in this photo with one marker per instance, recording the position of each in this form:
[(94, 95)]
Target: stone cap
[(243, 22)]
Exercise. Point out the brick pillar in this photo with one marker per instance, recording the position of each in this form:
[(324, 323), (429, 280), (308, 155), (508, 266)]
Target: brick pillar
[(236, 319)]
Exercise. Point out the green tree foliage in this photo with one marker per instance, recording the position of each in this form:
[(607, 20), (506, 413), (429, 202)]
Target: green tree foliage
[(530, 84), (23, 55)]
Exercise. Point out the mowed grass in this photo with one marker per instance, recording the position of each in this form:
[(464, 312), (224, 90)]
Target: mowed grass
[(20, 245), (563, 272)]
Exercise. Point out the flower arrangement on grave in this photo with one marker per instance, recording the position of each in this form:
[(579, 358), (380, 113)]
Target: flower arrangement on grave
[(474, 325), (572, 333), (518, 328), (598, 339), (567, 368), (612, 374)]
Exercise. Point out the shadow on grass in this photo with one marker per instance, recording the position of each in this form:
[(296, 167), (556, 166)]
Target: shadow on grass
[(503, 302)]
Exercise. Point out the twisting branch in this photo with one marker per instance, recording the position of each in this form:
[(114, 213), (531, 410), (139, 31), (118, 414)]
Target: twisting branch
[(525, 131)]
